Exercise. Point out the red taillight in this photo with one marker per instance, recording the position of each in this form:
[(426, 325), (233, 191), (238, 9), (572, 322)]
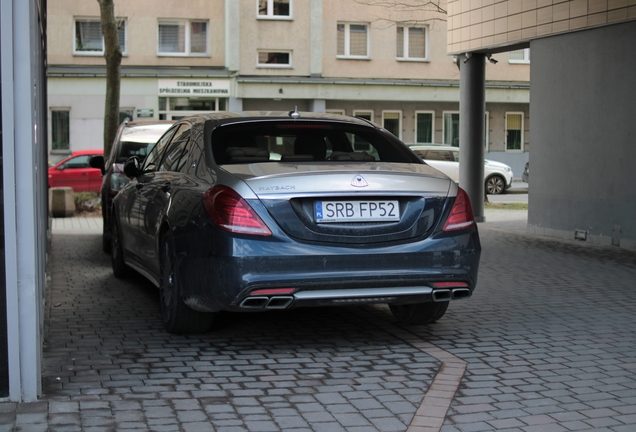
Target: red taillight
[(229, 211), (461, 215), (273, 291), (449, 285)]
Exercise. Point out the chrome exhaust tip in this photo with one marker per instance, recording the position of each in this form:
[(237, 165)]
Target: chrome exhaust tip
[(254, 302), (441, 295), (461, 293), (279, 302)]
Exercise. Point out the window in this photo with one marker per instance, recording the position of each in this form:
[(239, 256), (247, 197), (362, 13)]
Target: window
[(60, 126), (424, 126), (276, 9), (89, 39), (177, 155), (175, 108), (519, 56), (451, 129), (411, 43), (514, 132), (183, 37), (392, 121), (365, 114), (274, 59), (353, 40)]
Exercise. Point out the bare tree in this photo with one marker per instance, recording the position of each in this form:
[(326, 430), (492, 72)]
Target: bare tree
[(436, 10), (112, 54)]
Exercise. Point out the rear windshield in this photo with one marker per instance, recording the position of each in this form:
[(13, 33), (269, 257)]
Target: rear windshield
[(129, 148), (305, 142)]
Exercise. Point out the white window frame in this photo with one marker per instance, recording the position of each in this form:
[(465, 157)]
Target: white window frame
[(525, 60), (363, 111), (270, 12), (347, 41), (335, 111), (432, 113), (486, 127), (384, 112), (188, 29), (63, 109), (522, 114), (405, 35), (97, 53), (274, 65)]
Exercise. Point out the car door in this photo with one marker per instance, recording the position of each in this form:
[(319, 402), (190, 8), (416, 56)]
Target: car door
[(75, 173), (156, 193), (133, 198)]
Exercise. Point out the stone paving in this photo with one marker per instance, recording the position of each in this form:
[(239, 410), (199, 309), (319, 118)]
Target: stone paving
[(547, 343)]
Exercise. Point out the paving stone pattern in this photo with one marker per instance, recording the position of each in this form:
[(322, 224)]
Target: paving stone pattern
[(548, 341)]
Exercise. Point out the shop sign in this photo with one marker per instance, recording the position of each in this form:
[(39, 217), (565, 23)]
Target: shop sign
[(145, 113), (193, 87)]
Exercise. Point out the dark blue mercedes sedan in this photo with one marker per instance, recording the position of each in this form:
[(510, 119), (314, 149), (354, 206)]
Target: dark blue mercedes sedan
[(259, 211)]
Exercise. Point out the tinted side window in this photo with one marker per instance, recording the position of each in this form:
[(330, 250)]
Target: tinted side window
[(77, 162), (176, 155), (150, 164)]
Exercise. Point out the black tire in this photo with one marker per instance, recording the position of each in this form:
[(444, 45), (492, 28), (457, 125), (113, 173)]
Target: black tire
[(495, 185), (177, 317), (120, 269), (419, 313)]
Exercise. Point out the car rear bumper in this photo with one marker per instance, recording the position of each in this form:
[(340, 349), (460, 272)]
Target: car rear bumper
[(315, 275)]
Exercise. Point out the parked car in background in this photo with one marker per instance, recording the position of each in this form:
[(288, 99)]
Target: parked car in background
[(525, 176), (74, 171), (497, 176), (218, 225), (134, 138)]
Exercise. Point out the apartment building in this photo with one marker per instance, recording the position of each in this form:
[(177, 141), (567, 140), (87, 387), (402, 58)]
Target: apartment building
[(386, 63)]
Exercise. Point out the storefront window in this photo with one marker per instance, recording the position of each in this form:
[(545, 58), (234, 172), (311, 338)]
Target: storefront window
[(173, 108)]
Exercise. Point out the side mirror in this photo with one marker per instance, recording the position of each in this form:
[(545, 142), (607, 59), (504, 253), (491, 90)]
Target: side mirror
[(132, 167), (97, 162)]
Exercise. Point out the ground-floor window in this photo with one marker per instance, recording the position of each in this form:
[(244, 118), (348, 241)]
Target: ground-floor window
[(365, 114), (514, 131), (60, 129), (392, 121), (451, 129), (175, 108), (424, 126)]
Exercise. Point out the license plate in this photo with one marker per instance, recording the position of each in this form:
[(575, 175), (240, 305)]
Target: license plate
[(357, 211)]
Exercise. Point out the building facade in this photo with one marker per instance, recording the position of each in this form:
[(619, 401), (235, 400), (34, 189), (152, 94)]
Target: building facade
[(583, 92), (385, 63)]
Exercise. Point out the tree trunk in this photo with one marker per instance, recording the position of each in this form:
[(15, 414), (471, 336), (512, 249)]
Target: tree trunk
[(112, 53)]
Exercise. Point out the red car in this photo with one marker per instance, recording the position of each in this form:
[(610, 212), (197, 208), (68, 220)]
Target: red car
[(74, 171)]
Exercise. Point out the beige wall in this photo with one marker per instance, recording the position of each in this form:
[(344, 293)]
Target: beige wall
[(497, 24), (141, 16)]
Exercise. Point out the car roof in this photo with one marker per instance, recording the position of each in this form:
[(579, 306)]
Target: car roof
[(145, 131), (86, 152), (432, 147), (227, 117)]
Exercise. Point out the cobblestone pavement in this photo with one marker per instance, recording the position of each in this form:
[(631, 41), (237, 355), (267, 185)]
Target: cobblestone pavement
[(547, 343)]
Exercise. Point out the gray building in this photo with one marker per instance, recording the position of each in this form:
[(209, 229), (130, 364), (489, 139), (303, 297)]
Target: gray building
[(583, 92)]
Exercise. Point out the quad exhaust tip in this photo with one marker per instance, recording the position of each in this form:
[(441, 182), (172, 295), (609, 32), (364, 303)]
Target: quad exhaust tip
[(441, 295), (261, 302)]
